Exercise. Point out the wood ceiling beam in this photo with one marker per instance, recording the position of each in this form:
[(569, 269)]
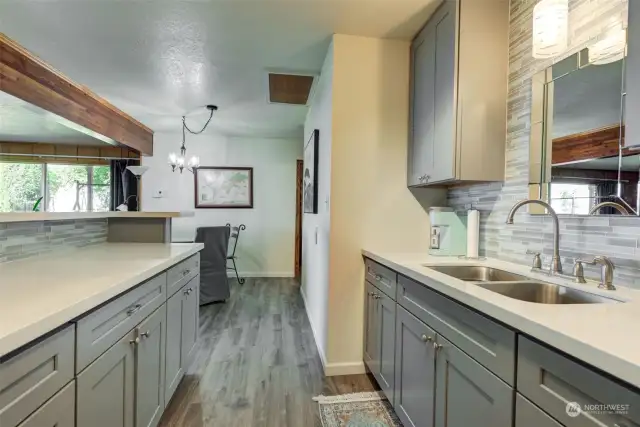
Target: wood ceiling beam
[(25, 76)]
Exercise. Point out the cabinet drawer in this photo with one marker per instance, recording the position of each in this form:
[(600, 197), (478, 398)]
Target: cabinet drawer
[(180, 274), (57, 412), (551, 380), (491, 344), (529, 415), (105, 326), (381, 277), (30, 378)]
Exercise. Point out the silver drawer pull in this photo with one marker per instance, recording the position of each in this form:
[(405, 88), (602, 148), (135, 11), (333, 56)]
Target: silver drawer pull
[(145, 335), (378, 277), (188, 291), (134, 309)]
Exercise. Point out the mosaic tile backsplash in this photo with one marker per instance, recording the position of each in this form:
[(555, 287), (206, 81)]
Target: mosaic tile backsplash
[(615, 237), (19, 240)]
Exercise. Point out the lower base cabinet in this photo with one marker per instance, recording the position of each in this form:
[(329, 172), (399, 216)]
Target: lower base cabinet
[(59, 411), (386, 329), (529, 415), (190, 320), (106, 389), (150, 369), (467, 394), (415, 363)]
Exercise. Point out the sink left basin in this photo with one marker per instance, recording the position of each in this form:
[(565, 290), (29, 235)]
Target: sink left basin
[(477, 273)]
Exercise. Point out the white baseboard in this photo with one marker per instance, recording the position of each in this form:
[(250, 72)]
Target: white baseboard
[(286, 274), (333, 369), (315, 334)]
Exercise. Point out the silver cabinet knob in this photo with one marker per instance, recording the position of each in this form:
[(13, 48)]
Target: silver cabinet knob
[(376, 296), (437, 346), (145, 335), (421, 178), (135, 341), (378, 277), (426, 338)]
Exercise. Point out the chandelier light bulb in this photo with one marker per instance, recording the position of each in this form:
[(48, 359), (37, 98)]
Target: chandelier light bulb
[(173, 159), (194, 162), (550, 28), (180, 161)]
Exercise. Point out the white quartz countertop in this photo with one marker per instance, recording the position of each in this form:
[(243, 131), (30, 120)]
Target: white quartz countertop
[(601, 335), (60, 216), (37, 295)]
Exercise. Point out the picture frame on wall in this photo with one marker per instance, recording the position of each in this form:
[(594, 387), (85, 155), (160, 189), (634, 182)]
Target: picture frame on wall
[(310, 174), (223, 187)]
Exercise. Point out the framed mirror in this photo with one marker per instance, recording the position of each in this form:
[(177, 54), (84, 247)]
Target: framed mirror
[(578, 160)]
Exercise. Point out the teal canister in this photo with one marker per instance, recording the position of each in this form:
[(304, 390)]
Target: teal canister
[(448, 232)]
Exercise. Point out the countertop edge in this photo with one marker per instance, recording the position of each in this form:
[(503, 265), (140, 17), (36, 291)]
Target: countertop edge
[(62, 216), (19, 338), (620, 368)]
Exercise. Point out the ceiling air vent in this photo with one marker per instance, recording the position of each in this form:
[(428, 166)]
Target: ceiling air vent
[(289, 88)]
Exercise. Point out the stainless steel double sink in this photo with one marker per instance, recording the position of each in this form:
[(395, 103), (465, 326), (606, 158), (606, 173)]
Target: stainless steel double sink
[(519, 287)]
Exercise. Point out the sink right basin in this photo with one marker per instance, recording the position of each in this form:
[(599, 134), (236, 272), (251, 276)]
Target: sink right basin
[(545, 293)]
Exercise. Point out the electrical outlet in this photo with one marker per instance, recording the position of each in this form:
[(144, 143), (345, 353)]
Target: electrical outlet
[(158, 194)]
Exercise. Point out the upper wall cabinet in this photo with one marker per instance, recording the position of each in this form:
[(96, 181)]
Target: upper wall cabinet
[(459, 94), (632, 87)]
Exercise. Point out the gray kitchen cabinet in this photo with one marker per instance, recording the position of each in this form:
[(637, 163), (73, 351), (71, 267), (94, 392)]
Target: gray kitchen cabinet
[(102, 328), (415, 378), (422, 108), (174, 368), (190, 321), (467, 394), (458, 95), (150, 369), (529, 415), (180, 274), (381, 277), (386, 337), (106, 389), (551, 380), (486, 341), (31, 377), (371, 352), (632, 77), (59, 411)]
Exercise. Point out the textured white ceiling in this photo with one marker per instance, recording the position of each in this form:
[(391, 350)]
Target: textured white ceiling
[(23, 122), (160, 59)]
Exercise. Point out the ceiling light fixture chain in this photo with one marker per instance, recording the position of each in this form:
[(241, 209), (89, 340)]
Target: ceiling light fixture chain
[(178, 161)]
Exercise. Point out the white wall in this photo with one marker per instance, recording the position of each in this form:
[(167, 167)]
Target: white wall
[(266, 248), (315, 234)]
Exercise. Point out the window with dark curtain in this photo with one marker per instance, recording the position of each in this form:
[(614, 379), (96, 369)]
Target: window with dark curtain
[(124, 184)]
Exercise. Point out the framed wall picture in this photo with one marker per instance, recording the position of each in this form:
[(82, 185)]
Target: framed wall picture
[(220, 187), (310, 174)]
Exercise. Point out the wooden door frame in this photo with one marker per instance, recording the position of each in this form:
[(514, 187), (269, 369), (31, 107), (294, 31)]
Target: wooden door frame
[(298, 226)]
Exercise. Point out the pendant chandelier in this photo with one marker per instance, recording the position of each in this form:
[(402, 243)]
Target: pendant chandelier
[(177, 161)]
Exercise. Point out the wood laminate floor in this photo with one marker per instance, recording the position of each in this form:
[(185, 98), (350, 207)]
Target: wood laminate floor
[(257, 364)]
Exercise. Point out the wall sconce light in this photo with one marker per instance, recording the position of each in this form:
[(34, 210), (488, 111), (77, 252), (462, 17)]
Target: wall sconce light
[(550, 28)]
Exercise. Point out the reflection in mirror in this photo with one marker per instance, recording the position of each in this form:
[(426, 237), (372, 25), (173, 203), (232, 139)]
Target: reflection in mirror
[(585, 169)]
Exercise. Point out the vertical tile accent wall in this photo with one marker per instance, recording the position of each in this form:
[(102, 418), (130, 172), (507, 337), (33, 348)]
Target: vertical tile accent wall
[(19, 240), (615, 237)]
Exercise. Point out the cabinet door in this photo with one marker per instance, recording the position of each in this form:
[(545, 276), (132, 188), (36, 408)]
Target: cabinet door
[(173, 356), (444, 22), (371, 352), (467, 394), (150, 369), (57, 411), (106, 388), (529, 415), (190, 320), (414, 370), (422, 115), (386, 334), (632, 77)]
